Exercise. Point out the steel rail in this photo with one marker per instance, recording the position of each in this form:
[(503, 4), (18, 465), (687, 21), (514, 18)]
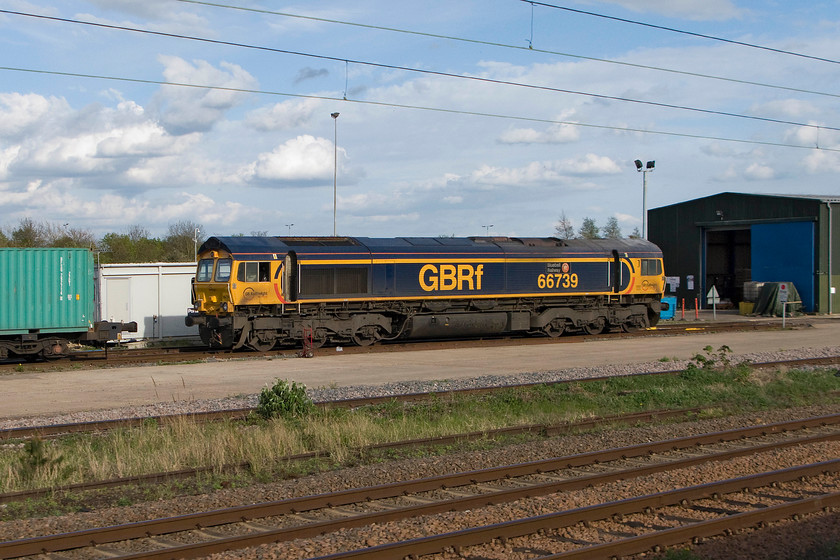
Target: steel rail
[(547, 430), (522, 527), (52, 543), (52, 430)]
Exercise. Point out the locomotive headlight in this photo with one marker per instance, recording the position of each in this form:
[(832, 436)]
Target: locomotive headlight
[(225, 306)]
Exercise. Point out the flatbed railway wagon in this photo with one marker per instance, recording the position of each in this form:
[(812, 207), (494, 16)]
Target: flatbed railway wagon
[(261, 291), (47, 301)]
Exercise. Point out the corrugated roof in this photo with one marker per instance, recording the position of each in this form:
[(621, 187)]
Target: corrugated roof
[(821, 197)]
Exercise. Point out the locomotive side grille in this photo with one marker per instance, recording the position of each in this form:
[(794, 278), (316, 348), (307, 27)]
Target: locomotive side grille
[(333, 281), (351, 280)]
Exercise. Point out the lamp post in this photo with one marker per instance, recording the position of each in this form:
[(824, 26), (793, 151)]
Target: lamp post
[(644, 171), (335, 165), (290, 228), (195, 244), (487, 229)]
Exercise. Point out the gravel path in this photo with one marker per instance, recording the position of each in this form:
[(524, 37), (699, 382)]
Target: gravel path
[(386, 389)]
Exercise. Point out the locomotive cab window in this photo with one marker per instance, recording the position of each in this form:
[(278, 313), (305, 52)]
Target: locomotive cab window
[(254, 272), (205, 270), (223, 270), (651, 267)]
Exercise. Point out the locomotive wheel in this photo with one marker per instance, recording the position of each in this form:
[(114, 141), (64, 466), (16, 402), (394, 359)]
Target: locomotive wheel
[(554, 329), (255, 343), (319, 338), (366, 335), (54, 349), (634, 326), (596, 327)]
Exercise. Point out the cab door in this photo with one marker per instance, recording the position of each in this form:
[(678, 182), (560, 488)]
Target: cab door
[(290, 277)]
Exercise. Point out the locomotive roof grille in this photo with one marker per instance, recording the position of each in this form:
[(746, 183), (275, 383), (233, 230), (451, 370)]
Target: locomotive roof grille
[(318, 241)]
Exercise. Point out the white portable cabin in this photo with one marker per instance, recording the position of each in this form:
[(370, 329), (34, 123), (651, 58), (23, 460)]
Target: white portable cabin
[(155, 295)]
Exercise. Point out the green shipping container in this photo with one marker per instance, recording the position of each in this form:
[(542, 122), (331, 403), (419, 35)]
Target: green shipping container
[(45, 290)]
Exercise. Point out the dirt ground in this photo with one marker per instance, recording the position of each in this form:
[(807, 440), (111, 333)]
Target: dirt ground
[(31, 394)]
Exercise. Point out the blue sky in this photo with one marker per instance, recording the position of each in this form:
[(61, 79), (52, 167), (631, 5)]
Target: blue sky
[(419, 153)]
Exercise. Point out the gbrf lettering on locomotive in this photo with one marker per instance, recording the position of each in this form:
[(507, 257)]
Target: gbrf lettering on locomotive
[(448, 277), (263, 291)]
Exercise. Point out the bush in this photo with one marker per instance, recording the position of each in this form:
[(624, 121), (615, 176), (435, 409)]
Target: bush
[(285, 400)]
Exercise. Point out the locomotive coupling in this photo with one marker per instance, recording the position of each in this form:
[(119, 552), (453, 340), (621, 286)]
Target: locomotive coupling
[(194, 319)]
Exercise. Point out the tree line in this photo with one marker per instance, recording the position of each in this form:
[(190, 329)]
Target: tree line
[(564, 229), (135, 246)]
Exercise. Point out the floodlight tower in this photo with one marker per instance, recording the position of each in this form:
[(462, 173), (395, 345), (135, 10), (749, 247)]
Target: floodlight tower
[(644, 171)]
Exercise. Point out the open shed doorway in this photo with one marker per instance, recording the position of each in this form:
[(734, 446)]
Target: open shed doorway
[(727, 256)]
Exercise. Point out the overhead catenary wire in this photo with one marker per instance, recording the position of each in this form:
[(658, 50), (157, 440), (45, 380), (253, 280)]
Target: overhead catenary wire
[(423, 71), (684, 32), (418, 107), (530, 47)]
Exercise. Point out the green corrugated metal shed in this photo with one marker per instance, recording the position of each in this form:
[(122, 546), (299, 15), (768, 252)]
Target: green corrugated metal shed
[(48, 290), (711, 240)]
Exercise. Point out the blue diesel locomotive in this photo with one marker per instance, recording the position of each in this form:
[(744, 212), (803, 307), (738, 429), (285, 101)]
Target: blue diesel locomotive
[(261, 291)]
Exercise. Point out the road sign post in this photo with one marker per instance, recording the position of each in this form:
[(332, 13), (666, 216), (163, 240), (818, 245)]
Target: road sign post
[(783, 299), (713, 298)]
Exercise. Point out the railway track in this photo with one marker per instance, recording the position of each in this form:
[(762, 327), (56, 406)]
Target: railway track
[(55, 430), (140, 356), (686, 508), (545, 430), (203, 533)]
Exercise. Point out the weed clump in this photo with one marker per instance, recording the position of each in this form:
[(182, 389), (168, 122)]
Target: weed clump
[(284, 400), (36, 460)]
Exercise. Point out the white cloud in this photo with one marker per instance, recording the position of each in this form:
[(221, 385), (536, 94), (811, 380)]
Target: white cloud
[(534, 173), (304, 158), (7, 156), (186, 109), (94, 141), (160, 15), (738, 173), (22, 114), (555, 134), (629, 219), (785, 109), (400, 218), (822, 162), (283, 116), (759, 172), (591, 164), (813, 136), (544, 173)]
